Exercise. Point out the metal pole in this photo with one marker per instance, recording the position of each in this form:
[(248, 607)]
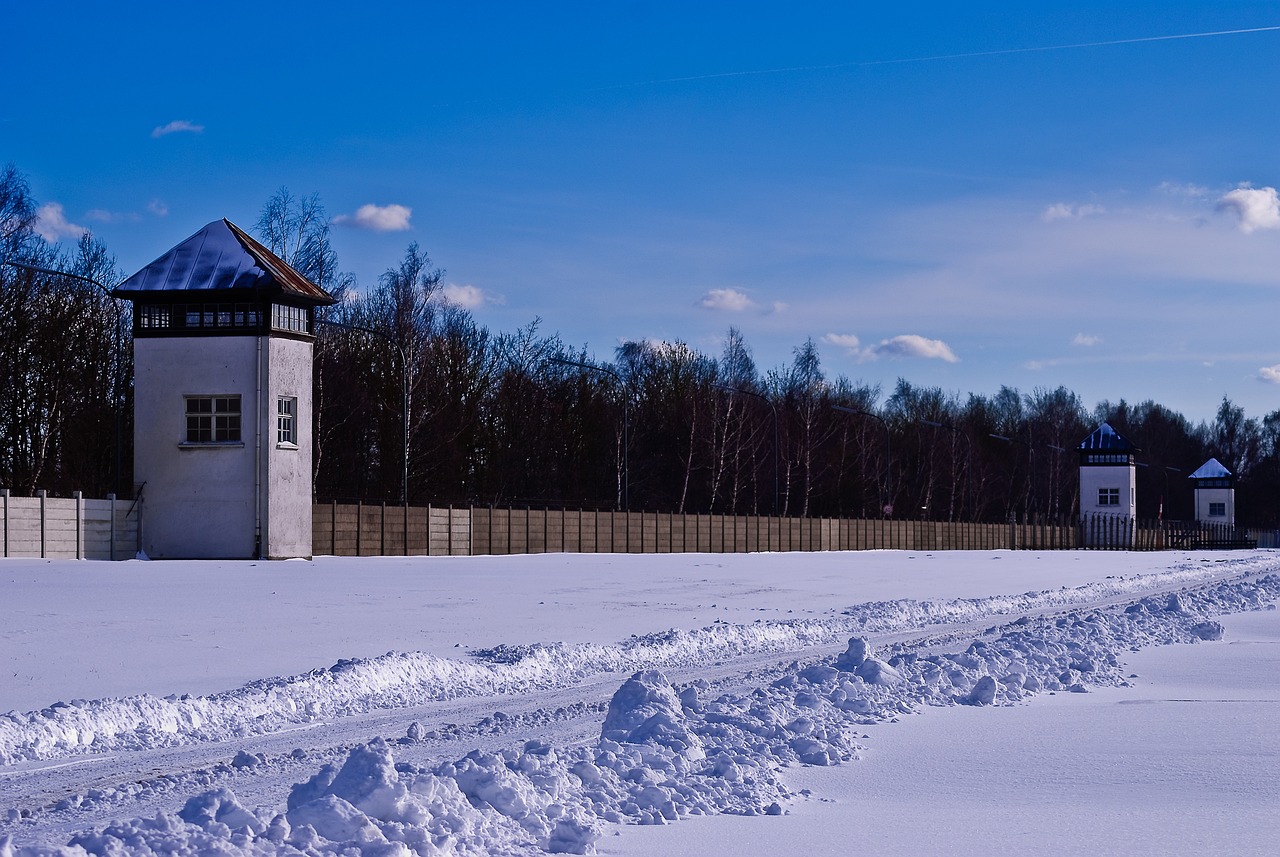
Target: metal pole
[(404, 395), (887, 506), (625, 499)]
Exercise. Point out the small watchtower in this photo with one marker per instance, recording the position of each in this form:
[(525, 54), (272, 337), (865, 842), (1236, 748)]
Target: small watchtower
[(223, 340), (1215, 493), (1108, 474)]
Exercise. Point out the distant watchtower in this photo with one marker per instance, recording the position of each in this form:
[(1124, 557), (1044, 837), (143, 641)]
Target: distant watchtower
[(1215, 491), (223, 339), (1108, 475)]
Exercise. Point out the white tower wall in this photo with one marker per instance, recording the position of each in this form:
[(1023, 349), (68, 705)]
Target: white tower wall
[(223, 500), (1206, 496), (199, 497), (288, 477), (1094, 477)]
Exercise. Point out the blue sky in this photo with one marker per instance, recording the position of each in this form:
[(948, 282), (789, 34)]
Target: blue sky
[(962, 195)]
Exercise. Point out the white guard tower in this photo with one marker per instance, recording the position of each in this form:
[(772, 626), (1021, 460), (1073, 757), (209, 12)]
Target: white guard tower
[(1108, 482), (1215, 491), (222, 399)]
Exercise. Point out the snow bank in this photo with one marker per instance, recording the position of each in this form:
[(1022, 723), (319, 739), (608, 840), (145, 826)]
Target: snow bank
[(398, 680), (663, 754)]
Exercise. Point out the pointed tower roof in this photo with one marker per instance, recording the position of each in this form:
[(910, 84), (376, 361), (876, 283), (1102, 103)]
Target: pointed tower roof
[(222, 257), (1211, 469), (1104, 437)]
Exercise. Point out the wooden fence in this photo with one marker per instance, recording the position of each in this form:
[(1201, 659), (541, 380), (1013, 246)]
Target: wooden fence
[(74, 527), (369, 529), (379, 529)]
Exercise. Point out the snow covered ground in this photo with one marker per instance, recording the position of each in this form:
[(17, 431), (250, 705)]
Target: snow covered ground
[(525, 704)]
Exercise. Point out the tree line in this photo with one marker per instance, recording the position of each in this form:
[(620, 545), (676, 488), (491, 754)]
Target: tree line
[(521, 418)]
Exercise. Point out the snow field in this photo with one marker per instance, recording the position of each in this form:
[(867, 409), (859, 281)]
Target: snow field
[(399, 679), (666, 753)]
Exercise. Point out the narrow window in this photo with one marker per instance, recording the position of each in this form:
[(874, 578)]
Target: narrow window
[(287, 420), (1108, 496), (213, 419)]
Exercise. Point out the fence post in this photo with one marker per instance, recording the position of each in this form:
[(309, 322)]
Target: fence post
[(43, 495), (111, 529), (79, 498), (4, 511)]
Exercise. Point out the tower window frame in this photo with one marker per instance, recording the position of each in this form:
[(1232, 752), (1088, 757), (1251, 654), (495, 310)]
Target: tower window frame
[(212, 420), (287, 421)]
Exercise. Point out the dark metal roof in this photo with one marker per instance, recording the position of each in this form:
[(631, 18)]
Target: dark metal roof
[(221, 257), (1104, 437), (1211, 469)]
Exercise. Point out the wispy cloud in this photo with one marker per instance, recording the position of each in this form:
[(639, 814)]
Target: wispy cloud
[(177, 126), (1270, 374), (467, 296), (1066, 211), (158, 207), (1183, 189), (1085, 340), (1254, 207), (913, 345), (726, 300), (378, 218), (906, 345), (101, 215), (52, 224), (850, 343)]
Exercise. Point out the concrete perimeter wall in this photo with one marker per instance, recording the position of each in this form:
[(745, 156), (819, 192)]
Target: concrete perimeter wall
[(68, 528)]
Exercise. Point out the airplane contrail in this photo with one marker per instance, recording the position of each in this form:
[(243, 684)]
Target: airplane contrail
[(938, 57)]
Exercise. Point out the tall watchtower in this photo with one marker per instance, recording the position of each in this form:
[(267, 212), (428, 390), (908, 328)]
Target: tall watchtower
[(1108, 474), (223, 340), (1215, 491)]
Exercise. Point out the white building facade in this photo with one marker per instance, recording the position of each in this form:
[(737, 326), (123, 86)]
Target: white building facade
[(223, 342), (1108, 487), (1215, 494)]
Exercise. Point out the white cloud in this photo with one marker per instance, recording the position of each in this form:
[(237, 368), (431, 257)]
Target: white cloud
[(1270, 374), (780, 306), (850, 343), (52, 224), (103, 216), (1254, 207), (1192, 191), (726, 300), (466, 296), (378, 218), (911, 345), (1063, 211), (177, 126), (1085, 339), (158, 207)]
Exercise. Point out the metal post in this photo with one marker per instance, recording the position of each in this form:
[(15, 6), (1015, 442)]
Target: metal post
[(624, 500), (404, 395)]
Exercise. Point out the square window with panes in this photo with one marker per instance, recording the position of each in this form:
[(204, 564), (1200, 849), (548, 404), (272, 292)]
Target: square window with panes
[(1217, 510), (1108, 496), (213, 419), (287, 420)]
